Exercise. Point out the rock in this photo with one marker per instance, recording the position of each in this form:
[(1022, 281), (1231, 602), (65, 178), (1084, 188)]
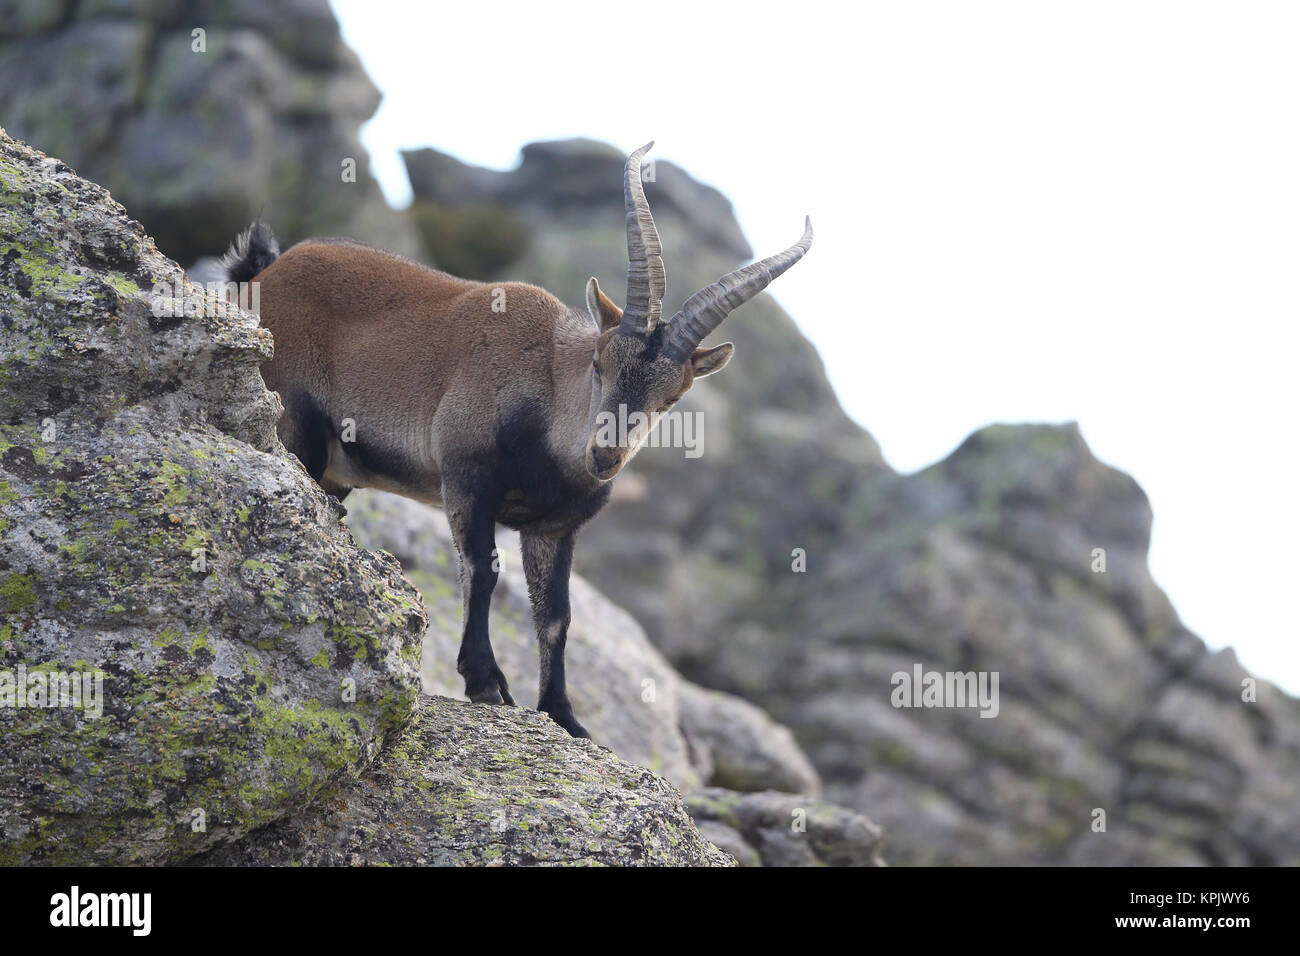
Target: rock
[(294, 96), (480, 785), (626, 694), (624, 691), (983, 562), (153, 531), (245, 661), (986, 562), (556, 178), (745, 749), (628, 697), (779, 829), (141, 110)]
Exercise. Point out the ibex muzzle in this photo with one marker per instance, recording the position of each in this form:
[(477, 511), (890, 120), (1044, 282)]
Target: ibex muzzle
[(500, 415)]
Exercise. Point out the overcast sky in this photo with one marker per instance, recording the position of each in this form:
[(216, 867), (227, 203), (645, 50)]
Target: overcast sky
[(1025, 211)]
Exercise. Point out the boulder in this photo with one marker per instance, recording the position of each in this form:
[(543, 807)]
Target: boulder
[(727, 755), (475, 785), (197, 662), (781, 829), (742, 747), (235, 654), (198, 135), (626, 694), (790, 566)]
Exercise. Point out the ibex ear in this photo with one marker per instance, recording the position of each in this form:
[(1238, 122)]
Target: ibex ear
[(605, 313), (708, 361)]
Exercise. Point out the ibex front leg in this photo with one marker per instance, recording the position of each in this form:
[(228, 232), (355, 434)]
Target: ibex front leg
[(546, 566), (473, 527)]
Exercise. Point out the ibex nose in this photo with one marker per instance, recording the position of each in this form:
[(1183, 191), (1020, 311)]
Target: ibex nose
[(603, 460)]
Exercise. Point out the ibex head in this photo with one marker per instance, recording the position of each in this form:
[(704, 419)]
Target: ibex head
[(642, 365)]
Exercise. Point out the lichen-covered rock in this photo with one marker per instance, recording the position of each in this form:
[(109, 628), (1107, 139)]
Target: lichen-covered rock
[(246, 659), (626, 693), (782, 829), (198, 134), (1118, 738), (981, 562), (628, 696), (155, 536), (471, 784), (789, 565)]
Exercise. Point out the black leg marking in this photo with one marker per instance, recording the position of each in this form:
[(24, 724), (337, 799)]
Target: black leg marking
[(306, 431), (547, 562), (473, 526)]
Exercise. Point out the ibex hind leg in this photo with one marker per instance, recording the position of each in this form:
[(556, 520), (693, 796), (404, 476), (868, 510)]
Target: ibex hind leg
[(306, 432)]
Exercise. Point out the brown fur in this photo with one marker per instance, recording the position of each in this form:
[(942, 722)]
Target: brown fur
[(430, 357), (427, 357)]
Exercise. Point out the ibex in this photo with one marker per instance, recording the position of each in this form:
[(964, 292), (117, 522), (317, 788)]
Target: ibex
[(491, 412)]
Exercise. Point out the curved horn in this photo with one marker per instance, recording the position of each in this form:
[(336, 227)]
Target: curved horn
[(704, 311), (646, 281)]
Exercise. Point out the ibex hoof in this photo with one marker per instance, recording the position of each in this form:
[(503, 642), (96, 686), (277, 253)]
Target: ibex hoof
[(564, 717), (490, 689)]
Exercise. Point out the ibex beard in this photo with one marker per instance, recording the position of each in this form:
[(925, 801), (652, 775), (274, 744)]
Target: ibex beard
[(496, 414)]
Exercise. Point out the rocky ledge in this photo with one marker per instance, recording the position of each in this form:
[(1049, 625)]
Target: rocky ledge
[(199, 664)]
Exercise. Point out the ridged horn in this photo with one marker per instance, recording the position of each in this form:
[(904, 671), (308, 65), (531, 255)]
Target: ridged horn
[(704, 311), (646, 280)]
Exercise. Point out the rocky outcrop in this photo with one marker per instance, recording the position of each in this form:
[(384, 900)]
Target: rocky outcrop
[(473, 785), (195, 658), (983, 562), (625, 691), (199, 134), (740, 747), (1023, 556), (789, 565), (628, 696), (158, 544), (781, 829)]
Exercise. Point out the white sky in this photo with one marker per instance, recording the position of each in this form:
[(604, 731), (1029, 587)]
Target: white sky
[(1029, 211)]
